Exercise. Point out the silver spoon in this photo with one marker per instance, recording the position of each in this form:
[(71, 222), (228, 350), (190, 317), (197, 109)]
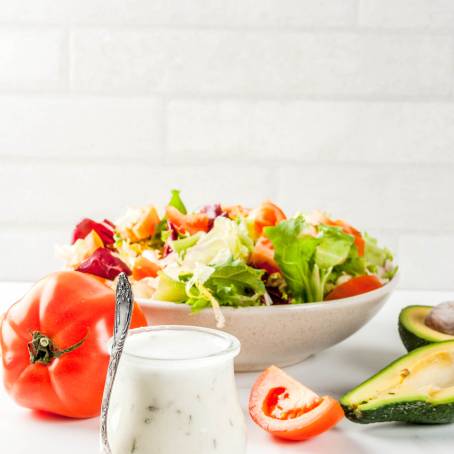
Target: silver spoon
[(124, 302)]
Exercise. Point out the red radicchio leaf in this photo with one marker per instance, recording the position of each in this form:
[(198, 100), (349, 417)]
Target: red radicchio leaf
[(212, 211), (106, 221), (173, 236), (104, 229), (104, 264)]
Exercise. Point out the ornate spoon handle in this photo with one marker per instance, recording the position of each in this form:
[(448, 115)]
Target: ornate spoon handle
[(123, 310)]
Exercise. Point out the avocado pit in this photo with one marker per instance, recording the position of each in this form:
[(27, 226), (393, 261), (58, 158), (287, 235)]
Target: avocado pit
[(441, 318)]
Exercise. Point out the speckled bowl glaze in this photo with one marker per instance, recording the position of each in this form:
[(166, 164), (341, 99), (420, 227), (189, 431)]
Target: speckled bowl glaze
[(281, 334)]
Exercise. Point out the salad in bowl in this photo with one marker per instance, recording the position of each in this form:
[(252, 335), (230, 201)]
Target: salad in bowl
[(231, 256)]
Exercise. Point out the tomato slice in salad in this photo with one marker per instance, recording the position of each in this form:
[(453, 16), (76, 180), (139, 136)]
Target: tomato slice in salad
[(188, 223), (287, 409), (268, 215), (347, 228), (262, 257), (355, 286), (144, 268)]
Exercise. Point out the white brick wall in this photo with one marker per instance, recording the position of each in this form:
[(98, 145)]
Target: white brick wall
[(203, 13), (305, 131), (32, 59), (81, 127), (260, 62), (425, 14), (346, 105)]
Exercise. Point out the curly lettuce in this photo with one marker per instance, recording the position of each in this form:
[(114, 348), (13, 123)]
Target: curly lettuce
[(224, 243), (307, 261), (313, 261), (234, 284)]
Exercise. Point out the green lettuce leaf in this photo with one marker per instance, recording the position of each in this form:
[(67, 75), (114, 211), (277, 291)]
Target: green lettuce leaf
[(307, 261), (334, 247), (170, 289), (235, 285), (353, 266), (374, 254), (180, 246), (294, 253), (224, 243)]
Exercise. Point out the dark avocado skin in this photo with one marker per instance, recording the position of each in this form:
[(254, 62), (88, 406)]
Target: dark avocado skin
[(410, 340), (417, 412)]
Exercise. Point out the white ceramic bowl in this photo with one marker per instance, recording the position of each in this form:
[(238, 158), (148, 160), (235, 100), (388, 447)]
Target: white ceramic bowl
[(281, 334)]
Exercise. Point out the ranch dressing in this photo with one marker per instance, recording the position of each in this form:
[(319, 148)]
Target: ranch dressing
[(175, 393)]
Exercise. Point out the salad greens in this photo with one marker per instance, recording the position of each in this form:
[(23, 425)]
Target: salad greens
[(226, 241), (375, 257), (307, 261), (234, 284), (232, 256), (211, 269)]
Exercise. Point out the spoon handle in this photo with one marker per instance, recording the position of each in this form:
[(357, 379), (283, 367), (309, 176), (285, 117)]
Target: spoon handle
[(124, 302)]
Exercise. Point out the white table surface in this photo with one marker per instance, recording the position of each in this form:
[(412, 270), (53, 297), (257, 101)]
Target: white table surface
[(332, 372)]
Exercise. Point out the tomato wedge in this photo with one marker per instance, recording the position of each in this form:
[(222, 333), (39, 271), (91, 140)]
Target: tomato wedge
[(355, 286), (188, 223), (144, 268), (347, 228), (287, 409), (262, 257), (268, 215)]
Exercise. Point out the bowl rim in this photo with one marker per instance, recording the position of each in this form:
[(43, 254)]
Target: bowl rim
[(357, 299)]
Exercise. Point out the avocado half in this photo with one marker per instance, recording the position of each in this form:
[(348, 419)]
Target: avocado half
[(413, 330), (416, 388)]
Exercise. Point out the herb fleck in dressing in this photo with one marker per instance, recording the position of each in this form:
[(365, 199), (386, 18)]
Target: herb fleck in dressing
[(175, 392)]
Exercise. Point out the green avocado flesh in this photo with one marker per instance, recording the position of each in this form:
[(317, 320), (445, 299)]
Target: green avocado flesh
[(416, 388), (413, 330)]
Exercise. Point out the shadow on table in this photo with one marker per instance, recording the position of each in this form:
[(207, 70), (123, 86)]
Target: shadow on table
[(367, 360), (45, 417), (335, 441), (340, 369), (432, 434)]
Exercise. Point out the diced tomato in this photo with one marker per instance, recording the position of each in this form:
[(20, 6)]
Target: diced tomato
[(355, 286), (263, 256), (287, 409), (268, 215), (144, 268), (347, 228), (188, 223)]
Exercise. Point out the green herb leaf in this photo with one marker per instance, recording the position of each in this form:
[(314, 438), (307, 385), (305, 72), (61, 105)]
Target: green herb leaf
[(176, 202)]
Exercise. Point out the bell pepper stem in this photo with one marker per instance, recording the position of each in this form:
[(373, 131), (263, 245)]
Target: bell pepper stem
[(43, 350)]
